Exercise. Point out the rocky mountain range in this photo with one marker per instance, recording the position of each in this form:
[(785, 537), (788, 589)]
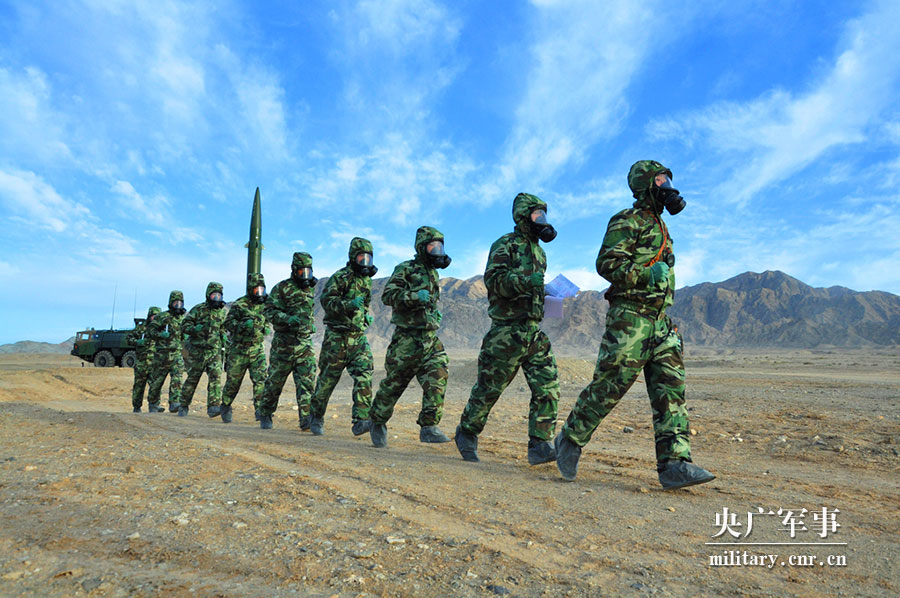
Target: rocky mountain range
[(749, 310)]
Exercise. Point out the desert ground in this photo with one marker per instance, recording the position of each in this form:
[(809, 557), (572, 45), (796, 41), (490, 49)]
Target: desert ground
[(98, 501)]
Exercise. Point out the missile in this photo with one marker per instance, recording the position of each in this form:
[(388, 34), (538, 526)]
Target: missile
[(254, 245)]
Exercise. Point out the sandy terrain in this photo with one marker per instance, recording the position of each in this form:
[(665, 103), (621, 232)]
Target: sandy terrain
[(97, 501)]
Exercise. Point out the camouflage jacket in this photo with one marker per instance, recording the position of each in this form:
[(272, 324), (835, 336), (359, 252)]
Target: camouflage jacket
[(211, 334), (143, 351), (633, 239), (401, 290), (242, 310), (288, 299), (511, 261), (342, 287), (170, 323)]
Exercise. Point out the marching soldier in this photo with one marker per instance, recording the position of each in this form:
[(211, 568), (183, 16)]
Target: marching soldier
[(514, 278), (144, 351), (246, 326), (165, 333), (637, 259), (289, 307), (415, 349), (203, 328)]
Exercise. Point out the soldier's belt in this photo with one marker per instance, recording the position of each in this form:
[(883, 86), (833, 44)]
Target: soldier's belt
[(639, 308)]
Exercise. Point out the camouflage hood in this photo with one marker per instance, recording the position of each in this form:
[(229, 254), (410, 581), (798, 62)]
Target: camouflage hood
[(640, 179), (523, 206), (301, 260), (213, 287), (359, 245), (255, 280), (153, 311), (173, 297), (424, 236)]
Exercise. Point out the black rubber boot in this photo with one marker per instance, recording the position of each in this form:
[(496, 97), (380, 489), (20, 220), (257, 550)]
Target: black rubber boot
[(467, 444), (378, 434), (256, 413), (225, 412), (540, 451), (316, 425), (136, 410), (680, 474), (154, 408), (567, 455), (265, 422), (182, 410), (432, 435), (361, 426), (213, 410), (304, 422), (173, 407)]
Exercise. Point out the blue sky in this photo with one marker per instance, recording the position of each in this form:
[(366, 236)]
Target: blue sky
[(133, 136)]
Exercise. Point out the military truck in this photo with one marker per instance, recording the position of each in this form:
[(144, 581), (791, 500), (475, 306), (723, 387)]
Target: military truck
[(105, 348)]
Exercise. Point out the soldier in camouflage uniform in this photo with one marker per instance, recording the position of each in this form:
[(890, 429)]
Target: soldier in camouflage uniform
[(165, 333), (637, 258), (143, 351), (289, 308), (345, 301), (415, 349), (203, 328), (246, 326), (514, 278)]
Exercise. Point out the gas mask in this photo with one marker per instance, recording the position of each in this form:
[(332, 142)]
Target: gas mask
[(362, 264), (436, 256), (667, 195), (304, 277), (540, 227), (176, 308), (215, 300), (258, 294)]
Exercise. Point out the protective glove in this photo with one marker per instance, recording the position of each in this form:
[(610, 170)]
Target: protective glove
[(369, 320), (438, 316), (293, 321), (196, 329), (357, 302), (139, 342), (659, 272), (248, 324), (164, 334), (536, 279), (423, 295)]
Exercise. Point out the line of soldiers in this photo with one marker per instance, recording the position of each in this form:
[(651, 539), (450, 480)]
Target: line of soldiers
[(636, 257)]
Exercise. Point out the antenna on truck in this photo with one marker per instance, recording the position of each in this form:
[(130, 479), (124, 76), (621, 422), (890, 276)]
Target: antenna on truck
[(113, 317)]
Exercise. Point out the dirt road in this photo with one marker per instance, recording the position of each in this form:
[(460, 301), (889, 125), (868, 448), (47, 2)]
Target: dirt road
[(97, 501)]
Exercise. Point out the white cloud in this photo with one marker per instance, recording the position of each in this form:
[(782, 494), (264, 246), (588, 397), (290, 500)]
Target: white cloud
[(36, 203), (154, 210), (30, 129), (767, 140), (583, 61)]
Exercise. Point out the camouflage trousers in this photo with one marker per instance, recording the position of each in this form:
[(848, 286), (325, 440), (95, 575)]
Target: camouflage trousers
[(141, 380), (166, 363), (241, 358), (505, 348), (289, 355), (200, 361), (633, 342), (351, 351), (419, 354)]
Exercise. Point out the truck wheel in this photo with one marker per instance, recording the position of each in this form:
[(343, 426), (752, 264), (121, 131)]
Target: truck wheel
[(104, 359), (129, 359)]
